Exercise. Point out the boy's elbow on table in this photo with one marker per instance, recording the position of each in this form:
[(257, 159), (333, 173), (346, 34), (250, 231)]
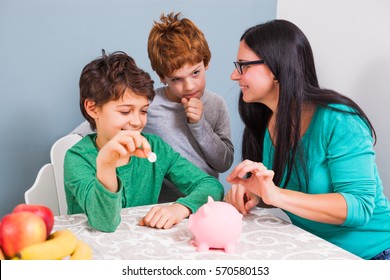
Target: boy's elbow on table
[(104, 226)]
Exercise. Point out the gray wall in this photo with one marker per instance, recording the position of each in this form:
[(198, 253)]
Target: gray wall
[(351, 45), (44, 45)]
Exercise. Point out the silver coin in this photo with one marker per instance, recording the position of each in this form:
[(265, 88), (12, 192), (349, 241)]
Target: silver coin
[(152, 157)]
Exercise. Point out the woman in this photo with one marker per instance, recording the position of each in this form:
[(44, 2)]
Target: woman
[(307, 150)]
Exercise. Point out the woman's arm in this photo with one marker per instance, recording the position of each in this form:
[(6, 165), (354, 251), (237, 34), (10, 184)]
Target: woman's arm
[(326, 208)]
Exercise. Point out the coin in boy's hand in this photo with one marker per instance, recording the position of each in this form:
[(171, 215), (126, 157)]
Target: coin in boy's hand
[(152, 157)]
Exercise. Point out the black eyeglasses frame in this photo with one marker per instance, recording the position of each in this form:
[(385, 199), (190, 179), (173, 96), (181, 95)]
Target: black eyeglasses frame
[(240, 64)]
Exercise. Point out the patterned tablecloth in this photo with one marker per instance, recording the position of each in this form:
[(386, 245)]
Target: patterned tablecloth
[(264, 237)]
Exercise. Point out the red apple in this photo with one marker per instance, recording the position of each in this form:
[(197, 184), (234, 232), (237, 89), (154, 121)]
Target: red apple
[(19, 230), (2, 257), (42, 211)]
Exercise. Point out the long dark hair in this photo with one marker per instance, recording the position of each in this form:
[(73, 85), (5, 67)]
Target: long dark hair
[(288, 54)]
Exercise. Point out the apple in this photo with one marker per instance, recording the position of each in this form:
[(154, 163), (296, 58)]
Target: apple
[(42, 211), (19, 230), (2, 257)]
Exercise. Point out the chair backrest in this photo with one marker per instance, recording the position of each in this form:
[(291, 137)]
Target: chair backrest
[(43, 191), (57, 155), (48, 188)]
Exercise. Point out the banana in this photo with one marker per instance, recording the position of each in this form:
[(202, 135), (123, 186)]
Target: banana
[(60, 244), (82, 252)]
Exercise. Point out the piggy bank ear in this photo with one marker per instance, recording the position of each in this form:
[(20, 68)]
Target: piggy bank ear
[(210, 199), (205, 211)]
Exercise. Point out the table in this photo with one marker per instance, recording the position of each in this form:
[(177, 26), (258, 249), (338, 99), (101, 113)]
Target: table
[(264, 237)]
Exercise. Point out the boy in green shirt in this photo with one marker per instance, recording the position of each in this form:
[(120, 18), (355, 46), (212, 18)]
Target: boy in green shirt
[(196, 120), (109, 170)]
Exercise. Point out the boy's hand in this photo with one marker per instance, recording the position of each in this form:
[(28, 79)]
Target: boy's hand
[(193, 108), (165, 216), (124, 145), (117, 152)]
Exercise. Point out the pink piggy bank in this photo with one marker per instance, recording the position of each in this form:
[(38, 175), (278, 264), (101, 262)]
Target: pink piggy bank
[(216, 225)]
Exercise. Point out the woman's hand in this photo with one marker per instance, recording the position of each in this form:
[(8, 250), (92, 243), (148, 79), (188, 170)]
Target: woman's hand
[(259, 183), (242, 199), (165, 216), (313, 207)]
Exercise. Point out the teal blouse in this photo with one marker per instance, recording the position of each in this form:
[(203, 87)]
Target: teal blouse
[(339, 158), (139, 182)]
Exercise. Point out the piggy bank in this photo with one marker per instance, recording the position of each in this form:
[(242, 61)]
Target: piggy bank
[(215, 225)]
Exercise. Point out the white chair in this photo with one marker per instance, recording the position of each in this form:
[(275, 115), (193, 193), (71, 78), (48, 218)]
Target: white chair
[(48, 188)]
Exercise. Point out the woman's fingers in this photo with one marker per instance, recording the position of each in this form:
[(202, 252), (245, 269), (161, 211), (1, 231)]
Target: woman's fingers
[(265, 174), (243, 168), (236, 197), (240, 198), (252, 201)]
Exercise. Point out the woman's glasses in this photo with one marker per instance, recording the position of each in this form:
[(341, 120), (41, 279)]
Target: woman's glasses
[(241, 65)]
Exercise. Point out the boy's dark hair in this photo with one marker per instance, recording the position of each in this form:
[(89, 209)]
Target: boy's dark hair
[(107, 78)]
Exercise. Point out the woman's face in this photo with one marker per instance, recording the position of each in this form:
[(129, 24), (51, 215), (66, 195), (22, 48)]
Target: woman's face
[(256, 81)]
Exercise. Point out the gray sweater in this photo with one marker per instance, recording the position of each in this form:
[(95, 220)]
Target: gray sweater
[(207, 144)]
